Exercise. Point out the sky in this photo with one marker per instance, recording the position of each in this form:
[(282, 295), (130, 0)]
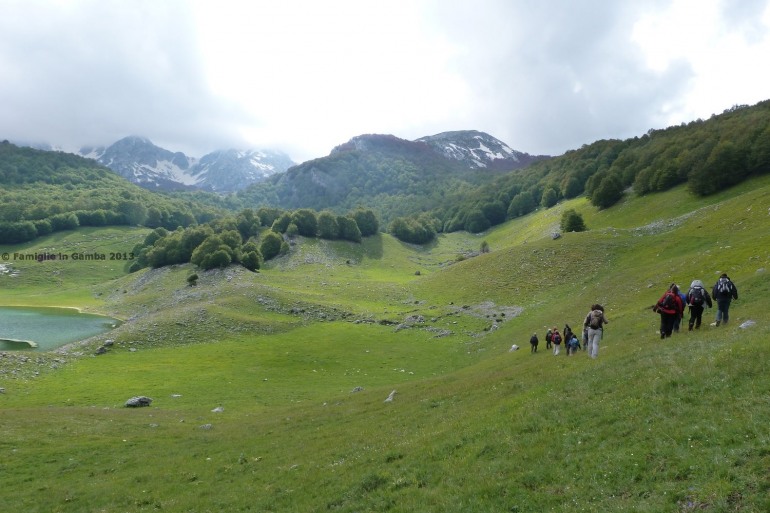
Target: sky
[(303, 76)]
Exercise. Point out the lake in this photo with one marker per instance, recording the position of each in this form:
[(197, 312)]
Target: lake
[(48, 327)]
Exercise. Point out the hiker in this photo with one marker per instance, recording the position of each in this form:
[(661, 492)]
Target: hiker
[(573, 345), (567, 334), (669, 306), (556, 341), (724, 292), (533, 342), (548, 337), (678, 320), (697, 297), (594, 323)]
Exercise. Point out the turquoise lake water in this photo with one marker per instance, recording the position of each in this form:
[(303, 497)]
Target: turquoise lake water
[(49, 328)]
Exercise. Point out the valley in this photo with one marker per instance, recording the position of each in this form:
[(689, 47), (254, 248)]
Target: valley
[(269, 388)]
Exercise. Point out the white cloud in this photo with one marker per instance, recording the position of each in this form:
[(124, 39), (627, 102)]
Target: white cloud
[(305, 75)]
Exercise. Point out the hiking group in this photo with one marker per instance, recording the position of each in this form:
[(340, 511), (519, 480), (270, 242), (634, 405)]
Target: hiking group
[(671, 304), (593, 326)]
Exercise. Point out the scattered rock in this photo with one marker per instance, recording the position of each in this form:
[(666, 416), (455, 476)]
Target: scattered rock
[(206, 426), (357, 389), (747, 324), (101, 350), (218, 409), (514, 347), (390, 397), (138, 401)]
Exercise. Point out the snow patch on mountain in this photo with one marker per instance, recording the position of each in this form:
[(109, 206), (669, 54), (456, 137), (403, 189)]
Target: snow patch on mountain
[(478, 150), (142, 162)]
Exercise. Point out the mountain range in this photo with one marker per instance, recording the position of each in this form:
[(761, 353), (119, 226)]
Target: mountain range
[(142, 162)]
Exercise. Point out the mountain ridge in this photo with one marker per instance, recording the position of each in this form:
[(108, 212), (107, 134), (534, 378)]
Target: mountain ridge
[(142, 162)]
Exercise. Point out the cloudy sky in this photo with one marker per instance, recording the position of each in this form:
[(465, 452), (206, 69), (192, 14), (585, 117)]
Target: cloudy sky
[(543, 76)]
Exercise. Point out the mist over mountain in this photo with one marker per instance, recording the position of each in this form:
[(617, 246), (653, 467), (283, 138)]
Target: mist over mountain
[(144, 163), (140, 161)]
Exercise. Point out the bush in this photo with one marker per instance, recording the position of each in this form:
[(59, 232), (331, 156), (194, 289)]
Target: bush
[(270, 247), (571, 221)]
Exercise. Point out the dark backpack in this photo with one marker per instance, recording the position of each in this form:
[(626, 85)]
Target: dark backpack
[(723, 286), (696, 296), (668, 302), (556, 339)]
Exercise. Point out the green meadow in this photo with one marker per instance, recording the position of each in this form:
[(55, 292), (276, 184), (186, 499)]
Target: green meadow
[(269, 389)]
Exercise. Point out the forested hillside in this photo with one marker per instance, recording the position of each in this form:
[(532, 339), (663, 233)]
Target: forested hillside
[(708, 156), (44, 192), (393, 176)]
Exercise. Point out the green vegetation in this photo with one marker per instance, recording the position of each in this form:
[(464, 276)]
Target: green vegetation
[(45, 192), (301, 357), (707, 156), (244, 239)]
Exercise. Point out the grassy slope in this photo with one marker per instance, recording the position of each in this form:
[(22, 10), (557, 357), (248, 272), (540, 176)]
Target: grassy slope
[(649, 426)]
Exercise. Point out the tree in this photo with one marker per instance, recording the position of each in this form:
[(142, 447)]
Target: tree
[(412, 230), (550, 197), (366, 221), (349, 229), (270, 247), (609, 192), (476, 222), (251, 258), (16, 232), (213, 252), (494, 212), (281, 223), (571, 221), (571, 187), (306, 222), (328, 228), (725, 166), (521, 205)]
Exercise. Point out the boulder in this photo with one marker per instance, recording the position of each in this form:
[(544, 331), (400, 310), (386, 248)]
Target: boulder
[(138, 401)]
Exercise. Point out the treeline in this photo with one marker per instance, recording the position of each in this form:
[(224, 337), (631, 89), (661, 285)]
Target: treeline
[(44, 192), (707, 156), (249, 238)]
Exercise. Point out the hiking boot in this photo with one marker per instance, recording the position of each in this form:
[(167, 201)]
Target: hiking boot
[(689, 328), (717, 323)]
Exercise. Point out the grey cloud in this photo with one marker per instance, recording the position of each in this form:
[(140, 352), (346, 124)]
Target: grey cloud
[(95, 72), (551, 76)]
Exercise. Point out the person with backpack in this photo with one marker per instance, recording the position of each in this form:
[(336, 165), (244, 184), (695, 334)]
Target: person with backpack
[(548, 337), (594, 323), (678, 320), (724, 292), (556, 341), (573, 344), (533, 342), (669, 306), (567, 336), (697, 297)]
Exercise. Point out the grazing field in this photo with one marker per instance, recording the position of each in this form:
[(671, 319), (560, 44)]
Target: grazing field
[(269, 389)]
